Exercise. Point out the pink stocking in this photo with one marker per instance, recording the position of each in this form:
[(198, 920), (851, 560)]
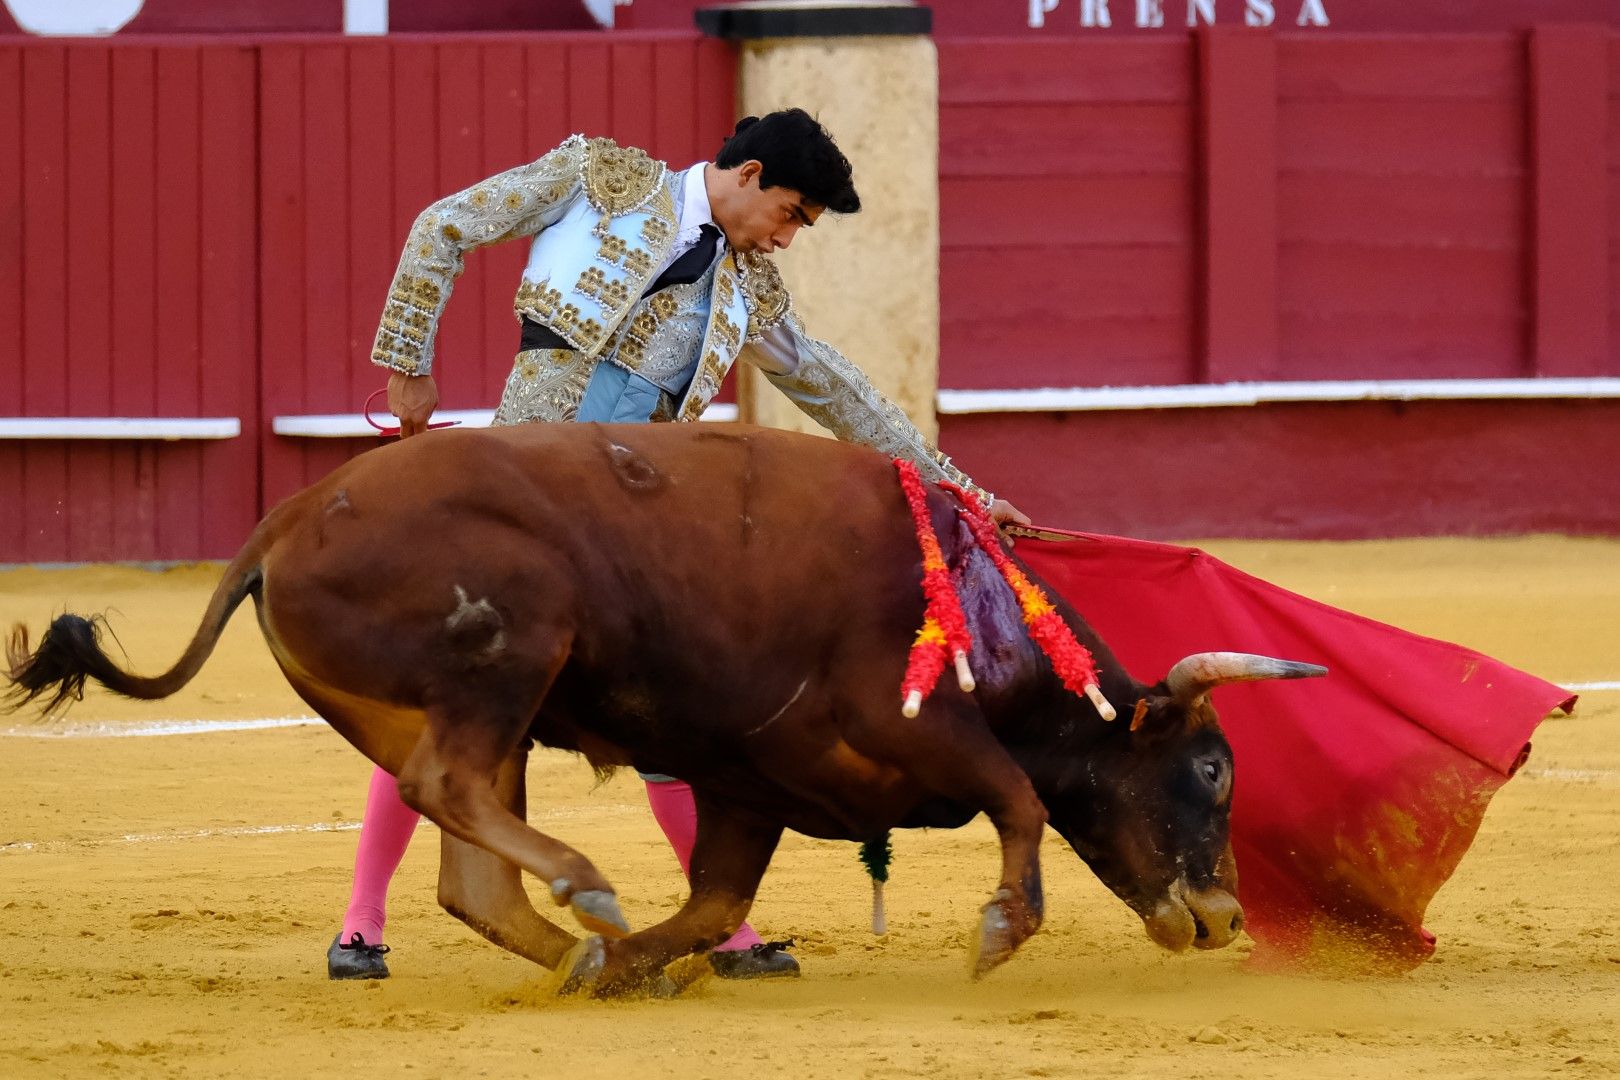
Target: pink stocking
[(384, 835), (676, 813)]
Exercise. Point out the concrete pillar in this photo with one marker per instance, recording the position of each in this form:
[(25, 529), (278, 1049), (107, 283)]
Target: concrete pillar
[(867, 283)]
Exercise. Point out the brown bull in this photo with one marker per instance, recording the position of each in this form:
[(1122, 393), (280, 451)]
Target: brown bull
[(730, 607)]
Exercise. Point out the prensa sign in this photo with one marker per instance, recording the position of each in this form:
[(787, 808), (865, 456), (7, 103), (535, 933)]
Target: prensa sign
[(1156, 14)]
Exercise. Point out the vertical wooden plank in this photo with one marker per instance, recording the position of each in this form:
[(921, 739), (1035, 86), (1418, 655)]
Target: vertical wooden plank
[(1238, 135), (134, 229), (505, 146), (1569, 87), (634, 93), (12, 216), (44, 198), (176, 267), (546, 73), (374, 241), (416, 136), (326, 229), (89, 346), (13, 523), (134, 301), (89, 193), (590, 89), (461, 344), (716, 95), (12, 213), (229, 324), (281, 261), (674, 106)]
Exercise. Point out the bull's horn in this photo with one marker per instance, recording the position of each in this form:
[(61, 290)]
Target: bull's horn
[(1198, 674)]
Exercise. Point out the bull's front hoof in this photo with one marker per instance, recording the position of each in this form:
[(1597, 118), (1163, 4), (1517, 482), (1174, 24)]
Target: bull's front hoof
[(1001, 931), (580, 968), (598, 912)]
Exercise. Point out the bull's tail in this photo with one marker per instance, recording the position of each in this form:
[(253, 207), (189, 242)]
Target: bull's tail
[(70, 652)]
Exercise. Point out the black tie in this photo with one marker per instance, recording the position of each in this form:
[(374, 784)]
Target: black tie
[(693, 262)]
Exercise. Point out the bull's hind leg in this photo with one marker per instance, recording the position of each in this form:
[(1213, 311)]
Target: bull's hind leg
[(486, 892), (473, 726), (732, 851)]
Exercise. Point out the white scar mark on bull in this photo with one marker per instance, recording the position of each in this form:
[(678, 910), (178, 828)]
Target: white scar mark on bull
[(778, 714), (633, 469), (474, 618)]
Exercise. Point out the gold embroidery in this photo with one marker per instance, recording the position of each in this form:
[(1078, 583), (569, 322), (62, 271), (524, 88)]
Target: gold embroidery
[(619, 179), (590, 282), (498, 208), (614, 294), (566, 319), (590, 330), (545, 384), (638, 262), (612, 249), (662, 305), (705, 384), (764, 294), (539, 299), (657, 232), (727, 331), (407, 322), (632, 353)]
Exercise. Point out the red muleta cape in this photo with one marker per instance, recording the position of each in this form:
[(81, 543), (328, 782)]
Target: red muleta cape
[(1356, 794)]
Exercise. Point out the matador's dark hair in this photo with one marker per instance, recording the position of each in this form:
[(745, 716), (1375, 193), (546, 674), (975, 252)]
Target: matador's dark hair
[(795, 152)]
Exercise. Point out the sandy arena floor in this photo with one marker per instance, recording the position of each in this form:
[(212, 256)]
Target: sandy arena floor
[(167, 902)]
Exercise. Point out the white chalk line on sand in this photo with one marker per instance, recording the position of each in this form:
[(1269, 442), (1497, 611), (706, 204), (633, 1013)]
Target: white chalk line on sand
[(536, 816), (1575, 776), (185, 834), (153, 728), (1608, 684)]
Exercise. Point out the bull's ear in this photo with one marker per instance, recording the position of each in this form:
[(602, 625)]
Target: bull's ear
[(1156, 715), (1140, 712)]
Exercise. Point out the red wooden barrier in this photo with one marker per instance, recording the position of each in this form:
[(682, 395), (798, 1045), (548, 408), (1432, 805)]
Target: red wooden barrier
[(1239, 205), (1066, 213), (1242, 205), (127, 212), (359, 136), (210, 230)]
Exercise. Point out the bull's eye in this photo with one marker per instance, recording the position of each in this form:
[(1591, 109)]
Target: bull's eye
[(1212, 772)]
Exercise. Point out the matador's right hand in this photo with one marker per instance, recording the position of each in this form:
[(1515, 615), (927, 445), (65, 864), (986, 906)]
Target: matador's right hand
[(412, 398)]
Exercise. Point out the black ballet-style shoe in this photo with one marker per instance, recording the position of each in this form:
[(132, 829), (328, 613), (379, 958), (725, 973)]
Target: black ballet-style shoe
[(767, 960), (356, 960)]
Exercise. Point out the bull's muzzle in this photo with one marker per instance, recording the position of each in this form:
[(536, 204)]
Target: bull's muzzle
[(1204, 919)]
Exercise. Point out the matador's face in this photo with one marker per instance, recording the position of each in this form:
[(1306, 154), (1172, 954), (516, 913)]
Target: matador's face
[(760, 219)]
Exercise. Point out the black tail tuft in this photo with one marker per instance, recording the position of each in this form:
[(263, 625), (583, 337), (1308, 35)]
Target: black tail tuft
[(68, 654)]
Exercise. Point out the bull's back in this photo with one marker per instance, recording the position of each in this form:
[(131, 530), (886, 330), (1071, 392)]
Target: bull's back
[(657, 544)]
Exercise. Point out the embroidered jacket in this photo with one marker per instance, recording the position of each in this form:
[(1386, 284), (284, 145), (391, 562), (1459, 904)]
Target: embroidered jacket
[(603, 218)]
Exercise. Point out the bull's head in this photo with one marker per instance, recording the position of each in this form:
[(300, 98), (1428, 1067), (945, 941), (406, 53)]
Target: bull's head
[(1148, 807)]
